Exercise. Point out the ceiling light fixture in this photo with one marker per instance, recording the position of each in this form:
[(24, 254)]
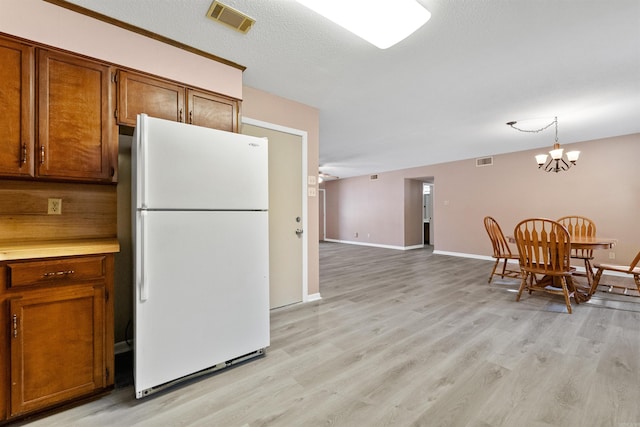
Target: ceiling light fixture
[(556, 163), (326, 177), (382, 23)]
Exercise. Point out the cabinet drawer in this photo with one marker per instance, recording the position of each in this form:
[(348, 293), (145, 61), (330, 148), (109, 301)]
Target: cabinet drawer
[(61, 270)]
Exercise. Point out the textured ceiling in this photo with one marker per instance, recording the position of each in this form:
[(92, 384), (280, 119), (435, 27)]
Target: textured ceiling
[(445, 92)]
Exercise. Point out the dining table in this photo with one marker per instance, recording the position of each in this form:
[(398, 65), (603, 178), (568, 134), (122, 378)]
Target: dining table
[(586, 243)]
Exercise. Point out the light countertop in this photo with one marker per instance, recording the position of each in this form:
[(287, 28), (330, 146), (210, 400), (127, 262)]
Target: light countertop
[(47, 249)]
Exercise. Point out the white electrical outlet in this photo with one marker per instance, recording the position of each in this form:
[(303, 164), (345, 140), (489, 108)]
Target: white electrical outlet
[(54, 207)]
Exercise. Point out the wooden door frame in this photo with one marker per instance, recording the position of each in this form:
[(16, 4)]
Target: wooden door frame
[(305, 216)]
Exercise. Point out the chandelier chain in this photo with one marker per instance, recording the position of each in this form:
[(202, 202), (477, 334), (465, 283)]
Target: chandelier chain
[(555, 121), (532, 130)]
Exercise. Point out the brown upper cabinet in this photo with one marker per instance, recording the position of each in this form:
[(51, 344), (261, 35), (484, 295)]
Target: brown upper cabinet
[(75, 126), (139, 93), (16, 109), (212, 111), (69, 99)]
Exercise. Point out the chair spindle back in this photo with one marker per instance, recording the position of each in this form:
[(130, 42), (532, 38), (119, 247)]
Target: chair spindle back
[(498, 241), (579, 226), (544, 246)]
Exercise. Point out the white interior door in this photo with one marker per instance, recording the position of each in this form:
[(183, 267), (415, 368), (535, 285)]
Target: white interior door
[(285, 215)]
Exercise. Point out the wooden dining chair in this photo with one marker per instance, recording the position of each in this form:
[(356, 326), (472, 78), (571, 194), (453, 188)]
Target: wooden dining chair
[(501, 250), (632, 269), (544, 247), (581, 226)]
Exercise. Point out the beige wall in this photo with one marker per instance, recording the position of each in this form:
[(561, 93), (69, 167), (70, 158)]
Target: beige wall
[(272, 109), (43, 22), (605, 186), (362, 210)]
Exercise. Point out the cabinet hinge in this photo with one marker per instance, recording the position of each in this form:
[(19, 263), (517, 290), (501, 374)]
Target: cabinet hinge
[(107, 372), (115, 113), (114, 77), (106, 295)]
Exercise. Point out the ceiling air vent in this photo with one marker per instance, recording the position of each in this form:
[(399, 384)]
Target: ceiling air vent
[(230, 17), (373, 177), (484, 161)]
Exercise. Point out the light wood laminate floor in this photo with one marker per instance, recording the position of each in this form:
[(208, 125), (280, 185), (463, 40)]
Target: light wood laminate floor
[(408, 338)]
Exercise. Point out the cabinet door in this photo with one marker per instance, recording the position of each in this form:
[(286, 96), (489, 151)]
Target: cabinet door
[(212, 111), (154, 97), (57, 346), (74, 124), (16, 109)]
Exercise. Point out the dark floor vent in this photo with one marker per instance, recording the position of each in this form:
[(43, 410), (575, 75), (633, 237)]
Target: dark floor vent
[(373, 177)]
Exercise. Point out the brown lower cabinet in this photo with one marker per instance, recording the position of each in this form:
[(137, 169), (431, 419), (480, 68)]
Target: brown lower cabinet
[(59, 317)]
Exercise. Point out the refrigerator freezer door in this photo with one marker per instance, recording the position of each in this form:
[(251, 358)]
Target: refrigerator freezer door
[(207, 276), (186, 167)]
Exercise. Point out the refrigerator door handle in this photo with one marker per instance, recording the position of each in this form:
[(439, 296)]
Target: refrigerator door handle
[(142, 160), (144, 286)]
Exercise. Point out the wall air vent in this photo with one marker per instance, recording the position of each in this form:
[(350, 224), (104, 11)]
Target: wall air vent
[(230, 17), (484, 161), (373, 177)]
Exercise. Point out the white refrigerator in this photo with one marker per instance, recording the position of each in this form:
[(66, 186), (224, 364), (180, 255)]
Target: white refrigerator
[(201, 245)]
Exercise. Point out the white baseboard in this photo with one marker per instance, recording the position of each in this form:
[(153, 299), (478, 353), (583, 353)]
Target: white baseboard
[(490, 258), (313, 297), (376, 245), (463, 255)]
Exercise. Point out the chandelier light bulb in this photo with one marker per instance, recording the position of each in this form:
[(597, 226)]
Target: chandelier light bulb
[(572, 156), (541, 159), (556, 154)]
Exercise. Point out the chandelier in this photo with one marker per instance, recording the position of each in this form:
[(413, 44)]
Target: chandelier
[(326, 177), (556, 163)]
